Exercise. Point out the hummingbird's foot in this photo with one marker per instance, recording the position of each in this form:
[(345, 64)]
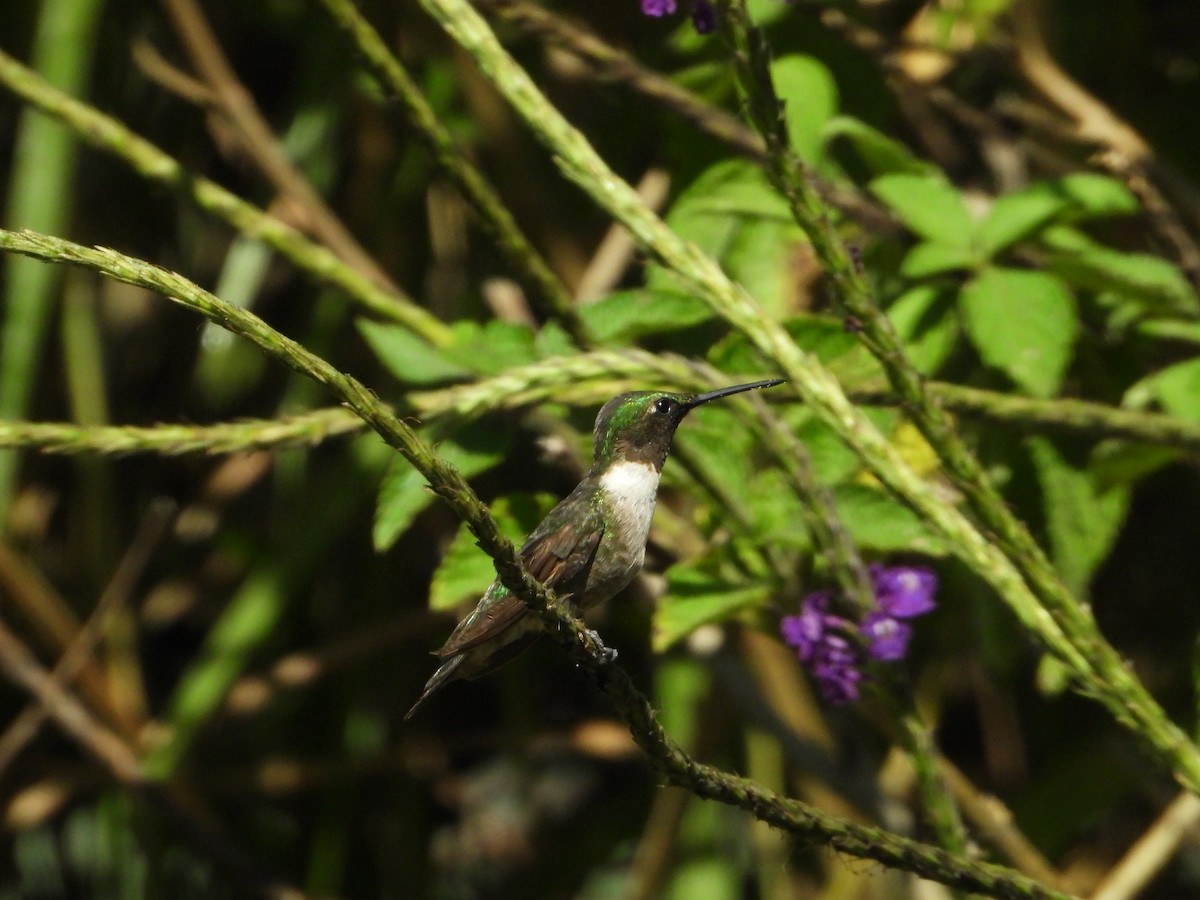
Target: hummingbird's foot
[(610, 655)]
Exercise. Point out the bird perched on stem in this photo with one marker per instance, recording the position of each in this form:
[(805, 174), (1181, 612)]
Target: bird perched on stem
[(591, 544)]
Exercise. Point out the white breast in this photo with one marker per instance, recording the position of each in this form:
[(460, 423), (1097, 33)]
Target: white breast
[(631, 488)]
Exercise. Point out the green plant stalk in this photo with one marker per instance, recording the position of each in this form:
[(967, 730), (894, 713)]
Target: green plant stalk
[(497, 221), (1076, 417), (109, 135), (40, 196), (937, 802), (815, 385), (795, 817), (587, 378), (1103, 675)]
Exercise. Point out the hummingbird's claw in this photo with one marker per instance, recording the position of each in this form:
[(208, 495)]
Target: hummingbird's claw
[(609, 654)]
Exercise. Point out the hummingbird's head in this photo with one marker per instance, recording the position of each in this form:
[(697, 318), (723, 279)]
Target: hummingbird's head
[(639, 426)]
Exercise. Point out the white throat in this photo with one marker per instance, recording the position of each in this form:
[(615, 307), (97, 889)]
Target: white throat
[(631, 488)]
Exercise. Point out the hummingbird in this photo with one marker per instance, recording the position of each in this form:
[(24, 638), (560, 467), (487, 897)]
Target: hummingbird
[(592, 544)]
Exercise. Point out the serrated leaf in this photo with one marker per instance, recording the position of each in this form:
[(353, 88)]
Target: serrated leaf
[(1093, 195), (775, 511), (825, 338), (1176, 388), (1024, 324), (730, 188), (493, 347), (1153, 283), (881, 154), (925, 321), (717, 208), (810, 98), (408, 357), (1082, 521), (466, 571), (403, 493), (695, 597), (628, 315), (1014, 217), (879, 522), (1119, 462), (720, 446), (760, 257), (928, 204), (935, 258)]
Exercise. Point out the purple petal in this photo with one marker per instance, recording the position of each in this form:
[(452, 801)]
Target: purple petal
[(704, 17), (658, 8), (806, 630), (839, 684), (836, 667), (887, 637), (904, 591)]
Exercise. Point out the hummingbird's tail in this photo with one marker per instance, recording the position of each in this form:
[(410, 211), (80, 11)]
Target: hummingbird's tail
[(445, 673)]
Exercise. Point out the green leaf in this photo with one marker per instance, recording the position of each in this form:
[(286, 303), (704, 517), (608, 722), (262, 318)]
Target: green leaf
[(697, 597), (1119, 462), (761, 258), (810, 99), (1024, 324), (1013, 217), (1176, 388), (880, 153), (466, 571), (733, 214), (879, 522), (1082, 520), (935, 258), (408, 357), (1093, 195), (733, 188), (824, 337), (403, 493), (1153, 283), (927, 204), (493, 347), (925, 321), (775, 511), (628, 315)]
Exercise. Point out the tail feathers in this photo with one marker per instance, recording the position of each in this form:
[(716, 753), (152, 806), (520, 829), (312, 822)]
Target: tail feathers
[(445, 674)]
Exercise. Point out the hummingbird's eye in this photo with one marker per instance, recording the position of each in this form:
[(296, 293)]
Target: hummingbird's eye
[(664, 405)]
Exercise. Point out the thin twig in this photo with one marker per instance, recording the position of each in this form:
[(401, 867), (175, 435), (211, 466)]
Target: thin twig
[(120, 762), (1152, 851), (496, 219), (78, 653), (615, 65), (108, 134), (258, 141)]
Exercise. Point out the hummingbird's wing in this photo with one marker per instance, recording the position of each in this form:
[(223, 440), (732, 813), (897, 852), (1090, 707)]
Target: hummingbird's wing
[(561, 548)]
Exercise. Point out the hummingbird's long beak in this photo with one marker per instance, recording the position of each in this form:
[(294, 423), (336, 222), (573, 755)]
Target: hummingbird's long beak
[(726, 391)]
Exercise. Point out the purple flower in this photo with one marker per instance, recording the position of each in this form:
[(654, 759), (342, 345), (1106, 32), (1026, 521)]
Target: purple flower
[(806, 631), (657, 8), (820, 639), (836, 649), (887, 637), (704, 17), (904, 591), (835, 665)]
